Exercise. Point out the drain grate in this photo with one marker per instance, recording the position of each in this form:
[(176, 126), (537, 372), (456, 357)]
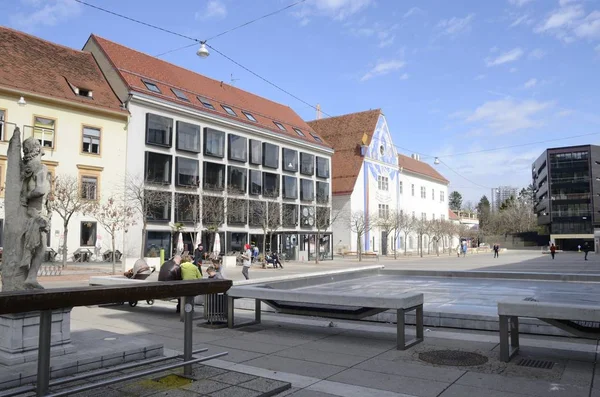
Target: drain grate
[(527, 362), (530, 299)]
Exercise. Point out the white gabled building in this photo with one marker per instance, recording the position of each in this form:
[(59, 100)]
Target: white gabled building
[(369, 175)]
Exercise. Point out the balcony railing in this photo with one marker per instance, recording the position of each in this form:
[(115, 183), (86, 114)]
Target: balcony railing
[(571, 196), (571, 179), (571, 214)]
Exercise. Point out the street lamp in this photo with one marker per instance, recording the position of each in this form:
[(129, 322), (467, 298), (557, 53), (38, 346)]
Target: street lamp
[(436, 161), (202, 51), (22, 102)]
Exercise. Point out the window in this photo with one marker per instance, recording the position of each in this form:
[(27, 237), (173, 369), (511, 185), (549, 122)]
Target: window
[(187, 172), (322, 192), (423, 216), (290, 215), (316, 138), (180, 94), (237, 150), (237, 211), (158, 205), (423, 192), (433, 194), (188, 137), (43, 130), (307, 216), (229, 110), (384, 211), (257, 211), (307, 190), (89, 187), (249, 116), (299, 132), (213, 211), (159, 130), (290, 160), (270, 155), (158, 168), (307, 164), (214, 143), (270, 184), (2, 120), (255, 152), (255, 182), (236, 179), (214, 176), (87, 234), (151, 86), (91, 140), (187, 207), (206, 103), (84, 92), (383, 182), (400, 187), (322, 167), (412, 190), (155, 241), (279, 125), (290, 187), (442, 198)]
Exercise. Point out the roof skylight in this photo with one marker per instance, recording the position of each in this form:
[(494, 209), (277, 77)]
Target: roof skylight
[(205, 102), (249, 116), (279, 125), (229, 110), (180, 94), (300, 133), (316, 138), (151, 86)]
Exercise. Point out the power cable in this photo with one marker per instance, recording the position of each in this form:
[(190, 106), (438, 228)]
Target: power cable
[(464, 177)]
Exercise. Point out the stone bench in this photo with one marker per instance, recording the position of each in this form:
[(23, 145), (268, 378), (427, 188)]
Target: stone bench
[(332, 306), (578, 319)]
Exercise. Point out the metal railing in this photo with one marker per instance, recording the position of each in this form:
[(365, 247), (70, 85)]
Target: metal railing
[(215, 308), (45, 301)]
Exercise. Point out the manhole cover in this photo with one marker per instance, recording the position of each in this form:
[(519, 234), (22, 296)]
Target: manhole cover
[(453, 357)]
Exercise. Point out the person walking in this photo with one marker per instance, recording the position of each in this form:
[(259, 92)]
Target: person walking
[(586, 250), (464, 249), (496, 249), (553, 250), (246, 261), (198, 252)]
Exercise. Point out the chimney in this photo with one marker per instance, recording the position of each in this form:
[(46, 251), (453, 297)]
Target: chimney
[(319, 114)]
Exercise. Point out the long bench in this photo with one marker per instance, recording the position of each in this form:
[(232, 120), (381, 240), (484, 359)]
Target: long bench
[(578, 319), (331, 305)]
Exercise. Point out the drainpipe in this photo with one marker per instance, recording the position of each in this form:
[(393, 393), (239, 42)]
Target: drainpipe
[(126, 128)]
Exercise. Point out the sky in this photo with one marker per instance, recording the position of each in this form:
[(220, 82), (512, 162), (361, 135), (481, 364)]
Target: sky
[(470, 82)]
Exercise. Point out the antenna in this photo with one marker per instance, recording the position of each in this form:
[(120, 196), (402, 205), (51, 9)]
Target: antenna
[(233, 80)]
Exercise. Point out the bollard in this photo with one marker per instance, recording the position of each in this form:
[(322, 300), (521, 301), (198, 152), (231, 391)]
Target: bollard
[(162, 256)]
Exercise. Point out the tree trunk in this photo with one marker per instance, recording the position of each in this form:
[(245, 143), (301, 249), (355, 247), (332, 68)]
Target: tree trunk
[(405, 242), (421, 244), (317, 247), (358, 248), (143, 247), (65, 251), (264, 247), (396, 247), (114, 256)]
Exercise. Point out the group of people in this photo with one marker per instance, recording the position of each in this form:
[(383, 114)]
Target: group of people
[(586, 250)]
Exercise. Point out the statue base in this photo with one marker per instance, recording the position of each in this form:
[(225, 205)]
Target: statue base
[(19, 336)]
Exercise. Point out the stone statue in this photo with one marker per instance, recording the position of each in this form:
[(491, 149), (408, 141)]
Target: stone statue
[(28, 214)]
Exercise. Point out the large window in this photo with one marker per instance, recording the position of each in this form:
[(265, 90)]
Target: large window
[(158, 205), (255, 182), (158, 168), (159, 130), (237, 179), (255, 152), (213, 211), (155, 241), (322, 192), (307, 164), (187, 208), (238, 151), (383, 183), (91, 140), (400, 187), (307, 190), (270, 155), (290, 160), (290, 187), (188, 137), (270, 184), (307, 216), (433, 194), (257, 212), (89, 187), (442, 198), (187, 172), (322, 167), (214, 143), (423, 192), (237, 211), (290, 215), (384, 211), (87, 234), (43, 131), (214, 176)]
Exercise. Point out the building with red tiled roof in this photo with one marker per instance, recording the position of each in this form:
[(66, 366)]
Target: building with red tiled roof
[(59, 96), (226, 159), (370, 177)]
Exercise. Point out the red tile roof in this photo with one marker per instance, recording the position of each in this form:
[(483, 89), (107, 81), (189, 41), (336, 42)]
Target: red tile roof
[(32, 65), (421, 168), (345, 134), (452, 216), (134, 67)]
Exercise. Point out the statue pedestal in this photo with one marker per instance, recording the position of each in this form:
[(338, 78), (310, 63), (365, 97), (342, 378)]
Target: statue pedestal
[(19, 336)]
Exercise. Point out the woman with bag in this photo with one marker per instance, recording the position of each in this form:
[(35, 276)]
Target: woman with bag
[(246, 261)]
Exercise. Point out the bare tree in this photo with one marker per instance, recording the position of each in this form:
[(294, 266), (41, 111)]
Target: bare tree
[(361, 224), (147, 203), (67, 200), (114, 215), (437, 232), (421, 228), (324, 218), (407, 224), (188, 214), (451, 229), (387, 222), (213, 216)]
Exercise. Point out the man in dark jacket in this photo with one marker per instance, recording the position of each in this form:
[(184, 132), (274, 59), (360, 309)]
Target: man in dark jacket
[(586, 249), (198, 253), (170, 271)]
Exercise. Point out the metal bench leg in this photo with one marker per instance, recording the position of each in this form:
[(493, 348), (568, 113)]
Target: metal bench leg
[(514, 333), (400, 330), (401, 343), (230, 321), (506, 351), (43, 372), (188, 332), (419, 315), (257, 308)]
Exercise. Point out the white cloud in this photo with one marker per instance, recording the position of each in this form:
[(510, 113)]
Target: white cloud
[(506, 57), (530, 83), (538, 53), (565, 112), (521, 19), (336, 9), (570, 22), (519, 3), (405, 76), (383, 68), (563, 3), (589, 28), (48, 13), (213, 9), (562, 17), (385, 35), (507, 115), (455, 26), (480, 77), (413, 11)]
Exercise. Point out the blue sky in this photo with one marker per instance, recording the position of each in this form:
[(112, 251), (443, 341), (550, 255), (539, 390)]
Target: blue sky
[(451, 76)]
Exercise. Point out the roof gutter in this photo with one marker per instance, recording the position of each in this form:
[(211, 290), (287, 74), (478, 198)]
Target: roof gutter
[(19, 92), (225, 121)]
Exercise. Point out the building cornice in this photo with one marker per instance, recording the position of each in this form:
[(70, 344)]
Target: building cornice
[(226, 122)]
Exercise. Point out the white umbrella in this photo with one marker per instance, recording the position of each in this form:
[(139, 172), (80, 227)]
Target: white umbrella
[(98, 248), (198, 239), (217, 245), (180, 243)]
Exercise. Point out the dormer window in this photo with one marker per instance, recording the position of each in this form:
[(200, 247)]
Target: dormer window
[(84, 92), (151, 86)]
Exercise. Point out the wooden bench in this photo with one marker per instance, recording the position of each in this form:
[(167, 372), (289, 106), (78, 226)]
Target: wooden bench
[(332, 306), (578, 319)]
